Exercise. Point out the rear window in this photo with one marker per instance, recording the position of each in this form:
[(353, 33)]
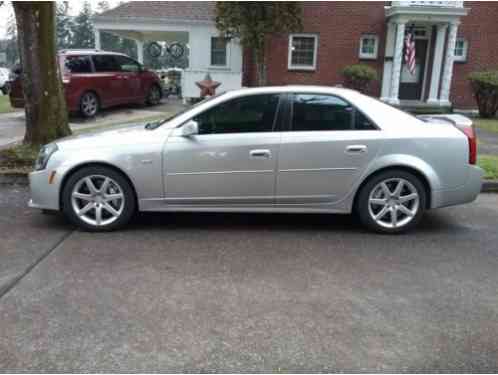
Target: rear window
[(78, 64)]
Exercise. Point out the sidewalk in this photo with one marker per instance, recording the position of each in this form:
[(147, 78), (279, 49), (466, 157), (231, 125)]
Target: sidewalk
[(12, 125)]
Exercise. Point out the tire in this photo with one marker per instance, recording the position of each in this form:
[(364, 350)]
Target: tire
[(154, 95), (89, 104), (81, 201), (395, 210)]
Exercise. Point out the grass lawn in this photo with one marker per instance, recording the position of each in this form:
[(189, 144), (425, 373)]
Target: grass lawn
[(490, 125), (5, 104), (490, 165)]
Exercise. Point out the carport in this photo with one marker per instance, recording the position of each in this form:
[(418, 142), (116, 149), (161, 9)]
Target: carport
[(189, 23)]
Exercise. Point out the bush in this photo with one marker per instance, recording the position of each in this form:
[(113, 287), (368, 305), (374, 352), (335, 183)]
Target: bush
[(359, 76), (485, 87)]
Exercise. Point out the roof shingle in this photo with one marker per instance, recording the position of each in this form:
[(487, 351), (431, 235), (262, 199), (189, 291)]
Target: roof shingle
[(178, 10)]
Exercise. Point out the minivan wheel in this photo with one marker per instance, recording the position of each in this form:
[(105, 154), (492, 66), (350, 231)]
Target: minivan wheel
[(98, 199), (392, 202), (154, 95), (89, 104)]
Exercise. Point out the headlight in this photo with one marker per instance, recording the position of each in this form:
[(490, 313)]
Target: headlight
[(44, 155)]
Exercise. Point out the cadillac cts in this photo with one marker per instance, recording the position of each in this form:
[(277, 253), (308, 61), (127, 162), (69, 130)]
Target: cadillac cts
[(274, 149)]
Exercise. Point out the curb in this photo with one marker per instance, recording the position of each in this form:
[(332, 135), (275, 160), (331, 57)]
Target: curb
[(21, 178)]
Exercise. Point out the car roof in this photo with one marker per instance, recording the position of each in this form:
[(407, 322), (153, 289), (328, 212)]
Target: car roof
[(311, 89), (70, 52)]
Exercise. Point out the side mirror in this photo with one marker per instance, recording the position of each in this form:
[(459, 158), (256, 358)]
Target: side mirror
[(190, 128)]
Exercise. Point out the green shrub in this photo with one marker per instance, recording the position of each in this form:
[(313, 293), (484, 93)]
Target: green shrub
[(485, 87), (359, 76)]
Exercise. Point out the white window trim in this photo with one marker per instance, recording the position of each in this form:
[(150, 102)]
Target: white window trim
[(290, 66), (369, 56), (462, 58), (227, 59)]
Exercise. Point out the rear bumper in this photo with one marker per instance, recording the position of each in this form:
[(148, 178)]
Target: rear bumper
[(463, 194)]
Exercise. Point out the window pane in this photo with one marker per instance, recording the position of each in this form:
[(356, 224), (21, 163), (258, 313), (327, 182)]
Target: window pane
[(126, 64), (362, 122), (368, 45), (459, 47), (321, 112), (254, 113), (218, 51), (105, 63), (78, 64), (303, 51)]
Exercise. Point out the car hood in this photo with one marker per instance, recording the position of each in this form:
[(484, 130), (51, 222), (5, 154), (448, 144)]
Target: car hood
[(122, 135)]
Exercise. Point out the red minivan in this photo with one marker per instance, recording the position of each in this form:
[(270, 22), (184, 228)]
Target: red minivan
[(96, 79)]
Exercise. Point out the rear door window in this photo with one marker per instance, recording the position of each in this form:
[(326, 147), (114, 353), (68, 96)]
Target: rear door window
[(78, 64), (126, 64), (105, 63)]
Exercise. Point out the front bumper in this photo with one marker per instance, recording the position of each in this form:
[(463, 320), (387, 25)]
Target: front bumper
[(463, 194), (44, 195)]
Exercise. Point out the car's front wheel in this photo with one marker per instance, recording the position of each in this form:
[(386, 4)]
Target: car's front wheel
[(98, 198), (392, 202), (154, 95)]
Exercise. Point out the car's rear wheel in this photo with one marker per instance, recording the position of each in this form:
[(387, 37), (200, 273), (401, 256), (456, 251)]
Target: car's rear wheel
[(89, 104), (154, 95), (98, 199), (392, 202)]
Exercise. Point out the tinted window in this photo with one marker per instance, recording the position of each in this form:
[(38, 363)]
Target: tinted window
[(78, 64), (254, 113), (126, 64), (105, 63), (321, 112), (362, 122)]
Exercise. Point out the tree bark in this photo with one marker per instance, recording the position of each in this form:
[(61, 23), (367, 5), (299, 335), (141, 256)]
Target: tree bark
[(45, 105)]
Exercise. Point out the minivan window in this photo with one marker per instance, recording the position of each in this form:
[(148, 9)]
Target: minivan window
[(126, 64), (105, 63), (255, 113), (321, 112), (78, 64)]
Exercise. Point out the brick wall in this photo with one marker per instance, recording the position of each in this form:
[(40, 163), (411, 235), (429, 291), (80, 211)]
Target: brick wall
[(480, 29), (339, 26)]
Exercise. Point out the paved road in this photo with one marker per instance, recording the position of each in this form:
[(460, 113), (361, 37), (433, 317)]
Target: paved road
[(191, 292)]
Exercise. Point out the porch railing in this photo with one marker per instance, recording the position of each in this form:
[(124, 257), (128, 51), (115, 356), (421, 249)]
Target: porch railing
[(439, 4)]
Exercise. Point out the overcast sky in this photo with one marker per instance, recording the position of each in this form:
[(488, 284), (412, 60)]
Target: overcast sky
[(74, 7)]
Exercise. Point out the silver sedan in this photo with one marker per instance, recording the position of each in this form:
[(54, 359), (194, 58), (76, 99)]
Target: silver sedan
[(274, 149)]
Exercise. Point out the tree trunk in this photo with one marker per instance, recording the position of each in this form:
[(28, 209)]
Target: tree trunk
[(45, 105)]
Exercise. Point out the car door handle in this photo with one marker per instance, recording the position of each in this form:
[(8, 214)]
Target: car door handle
[(356, 149), (260, 154)]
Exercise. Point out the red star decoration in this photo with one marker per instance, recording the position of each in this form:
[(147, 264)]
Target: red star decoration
[(207, 86)]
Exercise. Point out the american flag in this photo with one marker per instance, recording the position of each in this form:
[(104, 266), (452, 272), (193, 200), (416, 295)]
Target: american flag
[(410, 52)]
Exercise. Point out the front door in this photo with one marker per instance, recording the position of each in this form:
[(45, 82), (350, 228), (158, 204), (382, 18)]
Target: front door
[(410, 87), (231, 161), (326, 151)]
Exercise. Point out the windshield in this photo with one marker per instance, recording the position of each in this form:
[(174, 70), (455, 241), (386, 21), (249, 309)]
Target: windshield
[(172, 117)]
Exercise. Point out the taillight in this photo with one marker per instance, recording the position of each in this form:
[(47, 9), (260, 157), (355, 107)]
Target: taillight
[(66, 78), (472, 138)]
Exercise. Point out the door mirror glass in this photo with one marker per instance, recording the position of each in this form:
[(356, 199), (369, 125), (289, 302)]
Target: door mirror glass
[(190, 128)]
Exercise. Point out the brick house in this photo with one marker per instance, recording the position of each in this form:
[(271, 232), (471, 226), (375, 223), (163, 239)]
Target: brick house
[(453, 38)]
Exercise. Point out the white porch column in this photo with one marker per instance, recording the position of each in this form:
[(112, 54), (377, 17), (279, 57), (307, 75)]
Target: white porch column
[(388, 63), (397, 61), (140, 51), (437, 64), (448, 64), (97, 38)]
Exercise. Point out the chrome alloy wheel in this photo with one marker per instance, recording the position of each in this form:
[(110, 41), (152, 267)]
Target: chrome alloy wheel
[(393, 203), (97, 200), (89, 104)]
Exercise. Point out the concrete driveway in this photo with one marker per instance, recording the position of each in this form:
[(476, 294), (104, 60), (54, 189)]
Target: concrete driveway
[(238, 293)]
